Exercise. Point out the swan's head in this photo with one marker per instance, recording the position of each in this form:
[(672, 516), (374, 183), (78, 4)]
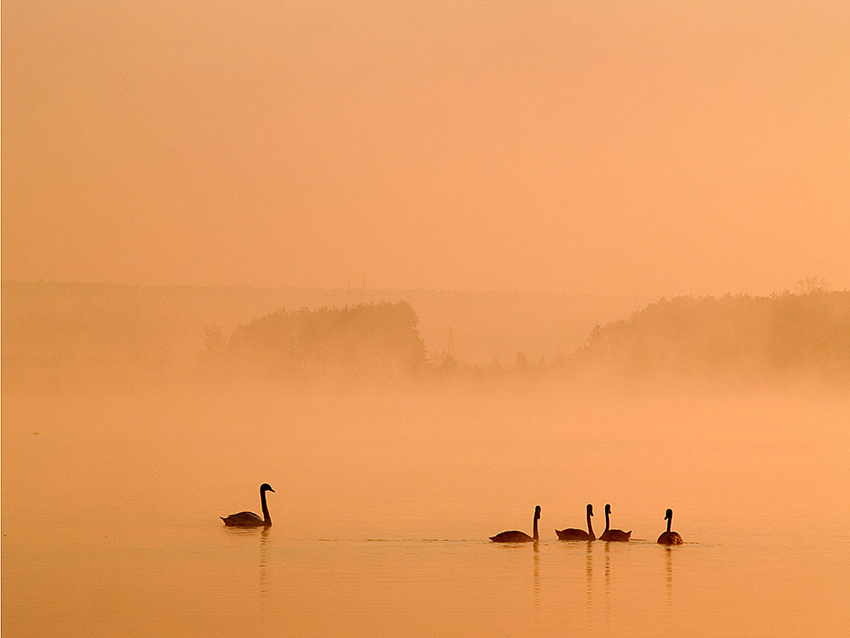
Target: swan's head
[(537, 513), (590, 509), (607, 508), (668, 514), (265, 487)]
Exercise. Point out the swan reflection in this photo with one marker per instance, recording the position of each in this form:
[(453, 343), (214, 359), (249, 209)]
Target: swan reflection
[(668, 578), (588, 576), (263, 534), (536, 555), (607, 550), (264, 548)]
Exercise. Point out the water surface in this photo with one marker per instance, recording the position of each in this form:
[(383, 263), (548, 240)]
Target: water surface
[(384, 502)]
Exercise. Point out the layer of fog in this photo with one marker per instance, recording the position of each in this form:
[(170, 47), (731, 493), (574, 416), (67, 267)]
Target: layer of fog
[(109, 434)]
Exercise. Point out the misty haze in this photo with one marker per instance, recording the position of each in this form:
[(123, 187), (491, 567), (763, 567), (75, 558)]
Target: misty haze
[(425, 319), (135, 416), (69, 336)]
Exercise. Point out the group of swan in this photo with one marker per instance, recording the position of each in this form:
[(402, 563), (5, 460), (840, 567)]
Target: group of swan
[(573, 534), (611, 535), (249, 519)]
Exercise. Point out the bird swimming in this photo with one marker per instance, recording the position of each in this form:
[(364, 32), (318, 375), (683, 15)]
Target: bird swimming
[(613, 535), (519, 537), (573, 534), (249, 519), (668, 537)]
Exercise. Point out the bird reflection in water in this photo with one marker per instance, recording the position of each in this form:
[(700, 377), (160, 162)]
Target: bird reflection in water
[(538, 616), (264, 536), (668, 593), (536, 555), (668, 578), (264, 548), (607, 550), (588, 574)]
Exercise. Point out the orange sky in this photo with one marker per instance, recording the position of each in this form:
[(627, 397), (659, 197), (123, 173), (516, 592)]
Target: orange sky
[(614, 148)]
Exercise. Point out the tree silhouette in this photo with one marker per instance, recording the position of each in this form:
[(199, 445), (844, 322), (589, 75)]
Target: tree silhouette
[(380, 339)]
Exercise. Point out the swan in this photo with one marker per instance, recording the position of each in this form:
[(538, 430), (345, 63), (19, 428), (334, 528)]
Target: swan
[(249, 519), (668, 537), (573, 534), (613, 535), (519, 537)]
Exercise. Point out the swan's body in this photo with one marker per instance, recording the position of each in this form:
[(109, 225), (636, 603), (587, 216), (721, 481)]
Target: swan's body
[(249, 519), (668, 537), (613, 535), (519, 537), (573, 534)]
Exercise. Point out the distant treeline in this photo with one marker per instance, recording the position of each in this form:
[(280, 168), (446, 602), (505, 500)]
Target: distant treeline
[(733, 337), (66, 336), (364, 340)]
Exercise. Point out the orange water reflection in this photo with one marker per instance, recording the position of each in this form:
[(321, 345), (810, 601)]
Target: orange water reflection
[(110, 520)]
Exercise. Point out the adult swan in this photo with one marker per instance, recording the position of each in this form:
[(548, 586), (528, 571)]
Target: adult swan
[(573, 534), (613, 535), (249, 519), (519, 537), (668, 537)]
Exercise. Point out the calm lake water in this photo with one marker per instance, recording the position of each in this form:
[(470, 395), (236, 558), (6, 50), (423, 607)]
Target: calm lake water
[(384, 502)]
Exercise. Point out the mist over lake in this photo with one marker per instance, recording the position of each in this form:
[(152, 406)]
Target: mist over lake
[(387, 489), (334, 318)]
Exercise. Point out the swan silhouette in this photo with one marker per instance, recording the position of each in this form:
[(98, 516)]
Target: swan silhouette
[(249, 519), (613, 535), (668, 537), (519, 537), (573, 534)]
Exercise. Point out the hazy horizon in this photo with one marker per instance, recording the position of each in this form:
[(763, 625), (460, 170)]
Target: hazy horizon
[(565, 148), (795, 286)]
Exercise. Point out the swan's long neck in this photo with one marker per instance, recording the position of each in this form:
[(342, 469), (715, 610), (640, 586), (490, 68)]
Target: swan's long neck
[(607, 515), (589, 526), (536, 534), (669, 523), (267, 519)]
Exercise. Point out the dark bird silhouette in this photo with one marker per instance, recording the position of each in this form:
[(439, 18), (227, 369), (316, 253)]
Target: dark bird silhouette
[(573, 534), (249, 519), (613, 535), (519, 537), (668, 537)]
